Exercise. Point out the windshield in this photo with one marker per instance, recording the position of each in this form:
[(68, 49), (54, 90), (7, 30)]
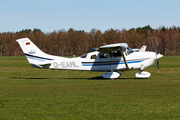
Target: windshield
[(129, 51)]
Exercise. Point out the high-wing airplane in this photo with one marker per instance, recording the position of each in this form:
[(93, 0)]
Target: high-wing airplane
[(109, 58)]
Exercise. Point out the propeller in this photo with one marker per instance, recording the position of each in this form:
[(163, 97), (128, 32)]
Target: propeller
[(157, 52), (158, 65)]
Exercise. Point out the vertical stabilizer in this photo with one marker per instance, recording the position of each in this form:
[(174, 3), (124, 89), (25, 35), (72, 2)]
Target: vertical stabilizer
[(35, 56), (29, 47)]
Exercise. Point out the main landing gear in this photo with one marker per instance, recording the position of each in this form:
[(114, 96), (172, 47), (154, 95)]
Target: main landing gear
[(111, 75)]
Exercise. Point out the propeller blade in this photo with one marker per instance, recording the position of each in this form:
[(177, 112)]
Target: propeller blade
[(158, 65), (157, 52)]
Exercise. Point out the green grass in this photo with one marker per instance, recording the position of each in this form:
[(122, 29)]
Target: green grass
[(30, 93)]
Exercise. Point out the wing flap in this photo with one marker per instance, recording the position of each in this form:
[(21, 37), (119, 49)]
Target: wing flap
[(40, 65)]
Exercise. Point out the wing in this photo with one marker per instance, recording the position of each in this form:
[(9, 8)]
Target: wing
[(115, 47), (112, 47)]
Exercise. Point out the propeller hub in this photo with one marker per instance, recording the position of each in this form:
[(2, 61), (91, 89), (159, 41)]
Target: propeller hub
[(159, 56)]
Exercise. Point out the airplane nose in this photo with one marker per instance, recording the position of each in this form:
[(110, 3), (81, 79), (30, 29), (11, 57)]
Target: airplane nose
[(159, 56)]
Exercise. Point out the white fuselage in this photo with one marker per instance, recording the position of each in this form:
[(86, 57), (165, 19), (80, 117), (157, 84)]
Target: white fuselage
[(93, 62)]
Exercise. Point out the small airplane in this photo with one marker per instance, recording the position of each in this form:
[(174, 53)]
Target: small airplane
[(108, 58)]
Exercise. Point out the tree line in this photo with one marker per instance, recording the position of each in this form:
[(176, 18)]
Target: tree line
[(78, 42)]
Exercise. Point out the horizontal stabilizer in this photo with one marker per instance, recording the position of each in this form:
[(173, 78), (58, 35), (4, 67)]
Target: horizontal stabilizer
[(40, 66)]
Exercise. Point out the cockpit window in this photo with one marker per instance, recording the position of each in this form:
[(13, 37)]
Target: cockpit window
[(84, 56), (115, 54)]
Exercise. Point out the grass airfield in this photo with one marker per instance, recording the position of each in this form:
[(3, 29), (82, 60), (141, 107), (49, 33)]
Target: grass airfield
[(31, 93)]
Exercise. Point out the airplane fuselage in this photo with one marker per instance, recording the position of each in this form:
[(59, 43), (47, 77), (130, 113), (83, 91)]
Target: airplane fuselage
[(135, 60)]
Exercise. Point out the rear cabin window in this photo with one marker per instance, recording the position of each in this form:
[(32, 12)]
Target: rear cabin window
[(93, 57), (84, 56)]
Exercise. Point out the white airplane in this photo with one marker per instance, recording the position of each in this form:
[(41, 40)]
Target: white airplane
[(109, 58)]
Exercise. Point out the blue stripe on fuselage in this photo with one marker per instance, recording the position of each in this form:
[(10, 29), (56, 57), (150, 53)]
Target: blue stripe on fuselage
[(103, 64)]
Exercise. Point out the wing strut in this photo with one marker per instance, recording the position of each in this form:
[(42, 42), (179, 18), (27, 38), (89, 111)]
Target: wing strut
[(121, 49)]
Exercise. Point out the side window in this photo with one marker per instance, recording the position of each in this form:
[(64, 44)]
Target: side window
[(93, 57), (103, 55), (115, 54)]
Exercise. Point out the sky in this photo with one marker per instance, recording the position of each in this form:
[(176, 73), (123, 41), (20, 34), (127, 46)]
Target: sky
[(55, 15)]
